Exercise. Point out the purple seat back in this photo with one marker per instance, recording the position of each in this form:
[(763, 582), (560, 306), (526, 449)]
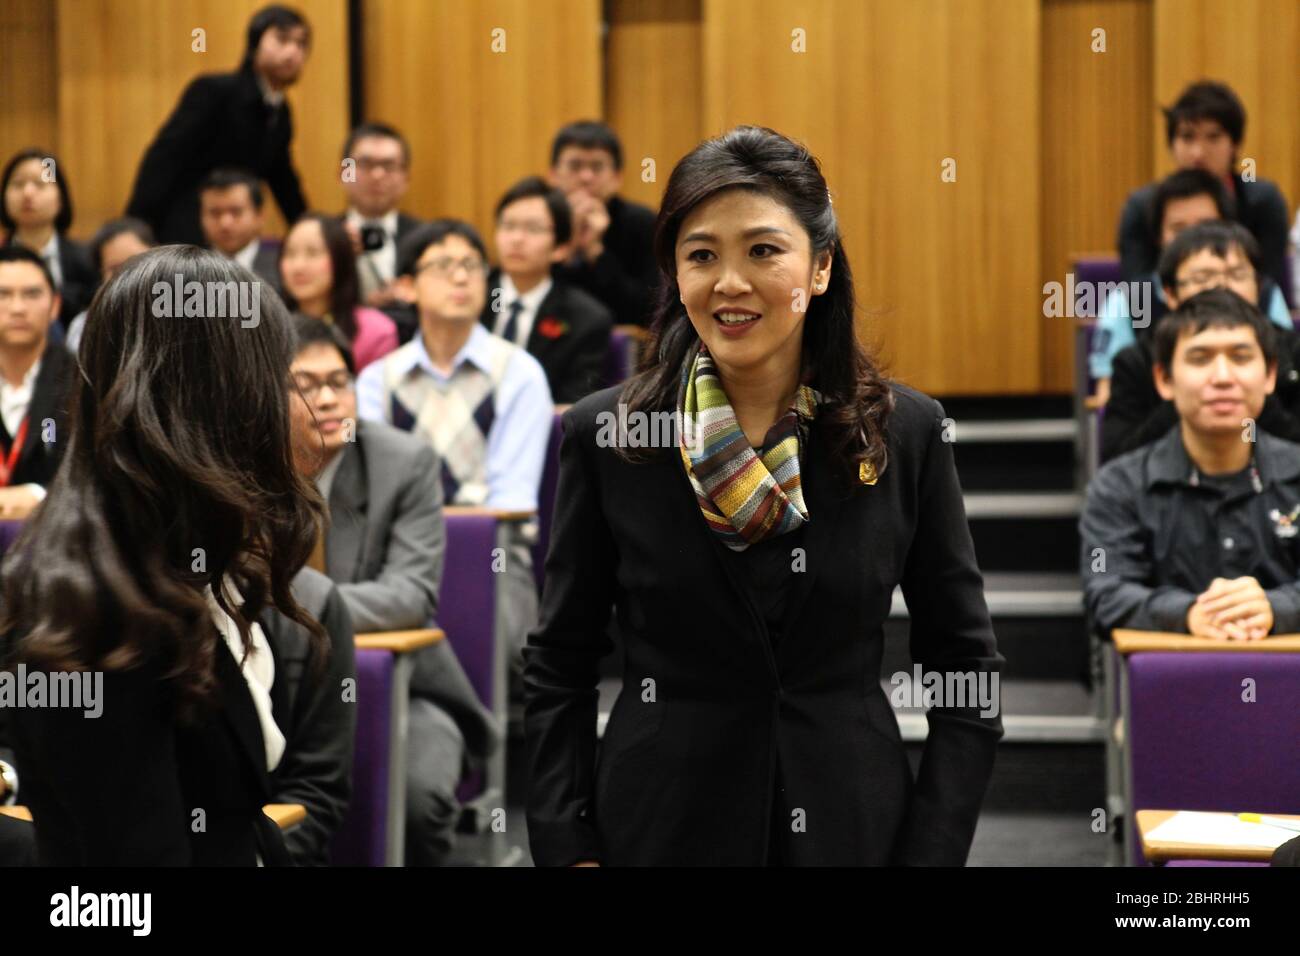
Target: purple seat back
[(546, 501), (1196, 745), (9, 532), (619, 360), (1095, 270), (360, 838)]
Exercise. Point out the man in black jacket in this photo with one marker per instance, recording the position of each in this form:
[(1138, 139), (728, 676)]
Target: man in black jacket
[(1205, 256), (35, 376), (1203, 130), (560, 325), (613, 241), (239, 120)]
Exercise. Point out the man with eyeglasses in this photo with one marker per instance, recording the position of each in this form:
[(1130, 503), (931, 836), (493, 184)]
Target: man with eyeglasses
[(483, 403), (384, 549), (560, 325), (376, 181), (613, 238), (1206, 256)]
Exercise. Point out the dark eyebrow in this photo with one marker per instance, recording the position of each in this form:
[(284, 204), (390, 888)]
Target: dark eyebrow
[(747, 234)]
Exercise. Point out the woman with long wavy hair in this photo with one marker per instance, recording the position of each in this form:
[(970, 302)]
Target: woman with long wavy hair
[(176, 520), (750, 562)]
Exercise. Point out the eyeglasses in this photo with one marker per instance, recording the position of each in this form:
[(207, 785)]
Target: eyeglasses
[(446, 266), (1211, 276), (310, 385), (387, 166), (528, 228)]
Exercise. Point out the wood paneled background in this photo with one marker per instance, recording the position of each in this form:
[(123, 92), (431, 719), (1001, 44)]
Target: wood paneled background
[(1048, 135)]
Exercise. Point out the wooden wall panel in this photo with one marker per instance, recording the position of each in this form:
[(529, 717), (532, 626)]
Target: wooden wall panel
[(1254, 46), (478, 120), (1096, 143), (947, 271), (29, 98), (652, 87), (123, 65)]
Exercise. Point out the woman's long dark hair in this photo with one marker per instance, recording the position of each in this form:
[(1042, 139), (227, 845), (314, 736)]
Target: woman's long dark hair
[(345, 290), (856, 397), (178, 471)]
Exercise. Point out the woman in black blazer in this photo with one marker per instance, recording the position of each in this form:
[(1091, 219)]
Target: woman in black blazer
[(750, 589), (36, 210), (176, 520)]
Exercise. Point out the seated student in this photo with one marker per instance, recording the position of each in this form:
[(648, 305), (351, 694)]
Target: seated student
[(1192, 532), (165, 588), (612, 255), (230, 214), (1203, 257), (35, 377), (562, 327), (384, 549), (1184, 199), (481, 402), (1203, 130), (36, 213), (115, 242), (318, 272), (373, 217)]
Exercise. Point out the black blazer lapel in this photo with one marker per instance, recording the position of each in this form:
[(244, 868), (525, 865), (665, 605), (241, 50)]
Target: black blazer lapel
[(49, 397), (349, 500), (236, 703), (539, 345)]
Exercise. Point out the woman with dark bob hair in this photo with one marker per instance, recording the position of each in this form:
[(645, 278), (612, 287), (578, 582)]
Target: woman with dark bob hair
[(750, 560), (166, 543)]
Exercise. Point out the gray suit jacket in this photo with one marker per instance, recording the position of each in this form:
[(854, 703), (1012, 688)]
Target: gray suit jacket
[(386, 537), (385, 551)]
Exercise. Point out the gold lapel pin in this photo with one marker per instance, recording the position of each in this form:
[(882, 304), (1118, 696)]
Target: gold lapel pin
[(867, 473)]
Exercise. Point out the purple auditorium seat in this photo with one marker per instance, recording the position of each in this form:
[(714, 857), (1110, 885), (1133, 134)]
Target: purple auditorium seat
[(620, 359), (1094, 270), (546, 501), (467, 612), (360, 839), (9, 532), (1195, 744)]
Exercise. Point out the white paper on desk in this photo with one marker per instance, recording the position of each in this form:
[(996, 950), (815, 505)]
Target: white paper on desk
[(1218, 829)]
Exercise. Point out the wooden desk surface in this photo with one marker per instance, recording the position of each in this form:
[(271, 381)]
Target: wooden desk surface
[(1131, 642), (499, 513), (1148, 820), (400, 642), (285, 815)]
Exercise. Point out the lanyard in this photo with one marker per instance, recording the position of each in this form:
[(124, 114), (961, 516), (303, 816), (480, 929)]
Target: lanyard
[(7, 464), (1195, 480)]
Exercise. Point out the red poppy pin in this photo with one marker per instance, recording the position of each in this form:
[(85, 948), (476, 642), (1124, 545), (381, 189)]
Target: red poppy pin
[(552, 328)]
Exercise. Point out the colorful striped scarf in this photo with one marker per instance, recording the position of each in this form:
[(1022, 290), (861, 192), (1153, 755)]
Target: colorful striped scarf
[(745, 496)]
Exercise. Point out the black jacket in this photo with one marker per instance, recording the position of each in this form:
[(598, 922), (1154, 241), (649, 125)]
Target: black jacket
[(221, 120), (1261, 208), (624, 276), (689, 778), (572, 346), (1153, 535), (1136, 414), (47, 419)]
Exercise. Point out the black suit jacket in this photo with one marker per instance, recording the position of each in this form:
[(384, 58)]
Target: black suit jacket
[(574, 359), (624, 276), (47, 419), (689, 778), (134, 788), (1136, 414), (221, 120)]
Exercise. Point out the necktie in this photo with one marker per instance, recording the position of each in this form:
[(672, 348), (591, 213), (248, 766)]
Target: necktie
[(512, 324)]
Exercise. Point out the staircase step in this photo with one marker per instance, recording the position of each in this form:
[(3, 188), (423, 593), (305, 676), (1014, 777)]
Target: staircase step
[(988, 505)]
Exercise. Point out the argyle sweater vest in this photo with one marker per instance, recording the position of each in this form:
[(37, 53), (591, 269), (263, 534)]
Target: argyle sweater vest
[(454, 416)]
